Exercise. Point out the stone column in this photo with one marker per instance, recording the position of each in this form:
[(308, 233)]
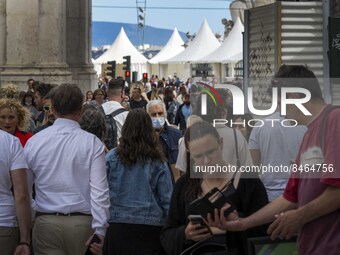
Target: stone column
[(47, 40), (34, 42), (79, 42), (2, 33)]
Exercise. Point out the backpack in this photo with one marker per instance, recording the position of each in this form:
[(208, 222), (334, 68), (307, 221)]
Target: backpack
[(111, 137)]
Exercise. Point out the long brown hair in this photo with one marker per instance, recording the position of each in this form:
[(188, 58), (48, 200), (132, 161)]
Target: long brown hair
[(139, 141)]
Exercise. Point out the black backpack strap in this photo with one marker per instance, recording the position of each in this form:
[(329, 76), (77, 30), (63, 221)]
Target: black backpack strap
[(116, 112), (322, 124), (112, 114), (236, 149), (236, 177), (101, 109)]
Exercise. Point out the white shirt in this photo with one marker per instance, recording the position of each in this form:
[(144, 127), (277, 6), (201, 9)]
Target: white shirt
[(181, 163), (11, 158), (69, 172), (229, 151), (110, 107), (278, 146)]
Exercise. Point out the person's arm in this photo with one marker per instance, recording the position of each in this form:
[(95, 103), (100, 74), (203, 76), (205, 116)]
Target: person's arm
[(289, 223), (164, 189), (254, 197), (99, 192), (23, 209), (145, 97), (177, 117), (265, 215)]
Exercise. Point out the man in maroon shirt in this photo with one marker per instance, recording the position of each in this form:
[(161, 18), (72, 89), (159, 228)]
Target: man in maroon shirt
[(310, 205)]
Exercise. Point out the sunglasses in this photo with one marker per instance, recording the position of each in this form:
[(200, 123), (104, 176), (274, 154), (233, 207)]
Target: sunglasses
[(47, 108)]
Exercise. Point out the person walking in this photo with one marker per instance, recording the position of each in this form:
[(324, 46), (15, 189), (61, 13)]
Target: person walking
[(67, 166), (140, 189), (15, 208)]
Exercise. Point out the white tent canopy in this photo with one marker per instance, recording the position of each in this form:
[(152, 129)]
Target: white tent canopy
[(230, 48), (204, 43), (235, 58), (121, 47), (172, 48)]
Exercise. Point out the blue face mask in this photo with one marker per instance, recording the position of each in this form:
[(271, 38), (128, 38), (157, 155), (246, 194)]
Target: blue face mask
[(158, 122)]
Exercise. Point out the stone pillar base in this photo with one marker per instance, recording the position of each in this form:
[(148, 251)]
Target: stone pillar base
[(19, 76)]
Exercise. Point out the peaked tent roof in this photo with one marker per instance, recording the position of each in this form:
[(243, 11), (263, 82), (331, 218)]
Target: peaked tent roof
[(204, 43), (172, 48), (231, 47), (119, 48)]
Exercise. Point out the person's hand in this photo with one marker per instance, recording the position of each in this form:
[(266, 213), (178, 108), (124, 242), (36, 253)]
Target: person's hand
[(231, 223), (96, 248), (106, 150), (196, 232), (125, 99), (286, 224), (22, 250)]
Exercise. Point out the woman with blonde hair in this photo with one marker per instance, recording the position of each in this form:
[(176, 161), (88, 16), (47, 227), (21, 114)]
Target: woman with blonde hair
[(9, 91), (138, 85), (14, 119)]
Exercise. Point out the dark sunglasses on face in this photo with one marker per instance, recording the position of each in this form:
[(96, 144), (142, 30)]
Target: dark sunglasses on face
[(47, 108)]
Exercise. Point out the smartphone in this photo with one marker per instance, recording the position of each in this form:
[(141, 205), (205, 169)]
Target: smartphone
[(198, 219), (95, 239)]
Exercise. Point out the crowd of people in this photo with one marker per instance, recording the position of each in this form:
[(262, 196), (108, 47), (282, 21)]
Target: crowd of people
[(113, 171)]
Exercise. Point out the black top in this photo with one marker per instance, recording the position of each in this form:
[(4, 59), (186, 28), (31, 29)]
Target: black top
[(249, 197), (180, 118), (138, 104)]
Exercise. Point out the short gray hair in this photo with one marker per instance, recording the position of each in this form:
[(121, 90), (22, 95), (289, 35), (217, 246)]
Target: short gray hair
[(92, 121), (155, 102)]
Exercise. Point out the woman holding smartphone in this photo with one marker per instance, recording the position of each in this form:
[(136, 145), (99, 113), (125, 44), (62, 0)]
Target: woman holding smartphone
[(140, 189), (205, 149)]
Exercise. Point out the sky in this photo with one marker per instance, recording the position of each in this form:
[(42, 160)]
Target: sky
[(186, 15)]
